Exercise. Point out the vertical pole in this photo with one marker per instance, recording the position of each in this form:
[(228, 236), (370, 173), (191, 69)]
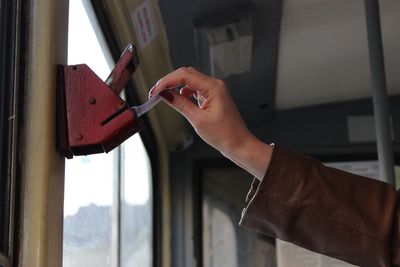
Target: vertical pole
[(379, 91)]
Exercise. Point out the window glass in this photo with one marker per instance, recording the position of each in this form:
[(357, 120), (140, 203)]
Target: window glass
[(108, 206), (136, 206), (219, 236), (224, 242), (89, 180), (88, 211)]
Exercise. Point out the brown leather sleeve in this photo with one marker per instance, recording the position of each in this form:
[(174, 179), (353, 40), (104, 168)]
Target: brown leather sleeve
[(345, 216)]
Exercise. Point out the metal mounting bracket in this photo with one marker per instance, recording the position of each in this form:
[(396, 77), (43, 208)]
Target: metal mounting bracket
[(91, 117)]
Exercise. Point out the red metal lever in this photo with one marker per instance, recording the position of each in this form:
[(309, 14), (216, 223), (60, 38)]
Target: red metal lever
[(122, 72), (91, 117)]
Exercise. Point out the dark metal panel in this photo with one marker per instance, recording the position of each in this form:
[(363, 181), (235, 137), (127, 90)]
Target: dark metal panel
[(323, 129), (181, 211), (253, 92), (179, 17)]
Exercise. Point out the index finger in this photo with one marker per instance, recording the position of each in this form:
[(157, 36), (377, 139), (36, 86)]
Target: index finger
[(187, 76)]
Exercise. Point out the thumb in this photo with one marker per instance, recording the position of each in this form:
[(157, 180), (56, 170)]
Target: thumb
[(181, 104)]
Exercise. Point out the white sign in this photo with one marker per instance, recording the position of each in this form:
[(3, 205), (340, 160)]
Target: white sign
[(144, 23)]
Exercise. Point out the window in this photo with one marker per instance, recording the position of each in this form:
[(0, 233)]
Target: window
[(224, 243), (108, 206), (136, 223)]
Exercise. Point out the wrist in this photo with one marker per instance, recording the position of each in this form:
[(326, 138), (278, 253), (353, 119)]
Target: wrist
[(251, 154)]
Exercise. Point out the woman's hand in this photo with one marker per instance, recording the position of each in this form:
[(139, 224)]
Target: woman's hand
[(215, 118)]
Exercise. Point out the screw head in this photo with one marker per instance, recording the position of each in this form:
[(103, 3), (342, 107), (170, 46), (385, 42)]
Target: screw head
[(79, 137), (92, 100)]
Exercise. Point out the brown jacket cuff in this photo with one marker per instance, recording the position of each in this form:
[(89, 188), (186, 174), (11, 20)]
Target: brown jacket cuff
[(326, 210)]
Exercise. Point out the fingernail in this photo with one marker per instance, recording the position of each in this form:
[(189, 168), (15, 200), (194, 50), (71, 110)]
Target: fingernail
[(167, 96), (151, 91), (158, 82)]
